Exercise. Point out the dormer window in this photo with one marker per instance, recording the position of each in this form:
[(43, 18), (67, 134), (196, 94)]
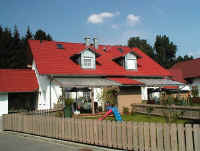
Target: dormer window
[(88, 60), (130, 62)]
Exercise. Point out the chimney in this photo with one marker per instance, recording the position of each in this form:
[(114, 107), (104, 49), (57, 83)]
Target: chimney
[(95, 43), (87, 40)]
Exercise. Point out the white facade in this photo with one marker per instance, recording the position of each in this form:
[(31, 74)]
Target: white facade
[(88, 60), (130, 62), (49, 92), (3, 103), (144, 93)]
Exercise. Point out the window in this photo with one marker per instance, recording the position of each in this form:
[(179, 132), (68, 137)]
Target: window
[(86, 94), (59, 46), (88, 60), (130, 62)]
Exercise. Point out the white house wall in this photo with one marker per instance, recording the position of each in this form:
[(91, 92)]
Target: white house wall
[(144, 93), (44, 96), (3, 103)]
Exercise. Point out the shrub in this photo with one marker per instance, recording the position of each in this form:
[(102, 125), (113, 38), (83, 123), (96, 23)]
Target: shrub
[(195, 92), (110, 95), (126, 110), (132, 109)]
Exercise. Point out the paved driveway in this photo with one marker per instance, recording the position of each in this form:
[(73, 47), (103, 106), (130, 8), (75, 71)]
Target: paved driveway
[(16, 142)]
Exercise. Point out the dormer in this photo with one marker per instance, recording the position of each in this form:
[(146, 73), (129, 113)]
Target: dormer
[(88, 59), (130, 62)]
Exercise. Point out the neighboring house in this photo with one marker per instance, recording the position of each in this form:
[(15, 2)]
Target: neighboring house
[(187, 72), (15, 81), (61, 66)]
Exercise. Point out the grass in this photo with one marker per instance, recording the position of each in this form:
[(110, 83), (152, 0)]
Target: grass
[(141, 118)]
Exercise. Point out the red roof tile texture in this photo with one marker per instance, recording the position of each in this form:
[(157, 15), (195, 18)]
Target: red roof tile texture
[(17, 80), (51, 60), (189, 69)]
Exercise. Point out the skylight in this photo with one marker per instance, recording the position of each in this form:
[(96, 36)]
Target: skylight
[(59, 46), (120, 50)]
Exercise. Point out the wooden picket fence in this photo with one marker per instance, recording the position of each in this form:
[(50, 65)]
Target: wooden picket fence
[(136, 136)]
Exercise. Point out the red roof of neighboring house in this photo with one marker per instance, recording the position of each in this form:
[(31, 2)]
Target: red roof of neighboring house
[(126, 81), (189, 69), (51, 60), (177, 75), (18, 80)]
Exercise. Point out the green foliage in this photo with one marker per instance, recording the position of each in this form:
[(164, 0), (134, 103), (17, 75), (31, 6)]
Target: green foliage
[(185, 58), (165, 51), (149, 109), (142, 45), (109, 95), (195, 91), (13, 48), (170, 114), (126, 111), (41, 35), (65, 101)]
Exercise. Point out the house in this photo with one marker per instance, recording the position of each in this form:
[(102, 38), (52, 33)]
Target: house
[(187, 72), (15, 81), (61, 66)]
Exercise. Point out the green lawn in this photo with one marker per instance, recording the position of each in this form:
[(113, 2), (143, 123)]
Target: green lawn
[(140, 118)]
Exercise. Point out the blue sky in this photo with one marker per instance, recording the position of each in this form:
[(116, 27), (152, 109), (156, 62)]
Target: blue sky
[(111, 21)]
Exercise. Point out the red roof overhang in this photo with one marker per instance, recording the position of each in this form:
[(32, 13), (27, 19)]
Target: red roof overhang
[(18, 80)]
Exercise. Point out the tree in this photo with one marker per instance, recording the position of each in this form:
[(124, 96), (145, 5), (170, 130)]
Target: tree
[(41, 35), (185, 58), (142, 45), (28, 34), (165, 51)]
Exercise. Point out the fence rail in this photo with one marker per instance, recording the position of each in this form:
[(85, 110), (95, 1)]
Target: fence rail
[(187, 112), (123, 135)]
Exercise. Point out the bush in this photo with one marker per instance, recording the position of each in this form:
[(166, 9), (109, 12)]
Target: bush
[(110, 95), (126, 110), (132, 109), (195, 92)]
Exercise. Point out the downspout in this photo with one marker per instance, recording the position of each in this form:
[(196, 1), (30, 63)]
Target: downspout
[(50, 91)]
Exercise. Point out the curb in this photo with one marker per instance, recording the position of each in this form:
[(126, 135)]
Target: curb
[(63, 142)]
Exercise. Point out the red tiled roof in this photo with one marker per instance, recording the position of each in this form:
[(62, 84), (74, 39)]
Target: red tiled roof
[(51, 60), (126, 81), (189, 69), (18, 80), (177, 75)]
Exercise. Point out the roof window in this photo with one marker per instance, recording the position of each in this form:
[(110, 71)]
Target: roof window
[(59, 46)]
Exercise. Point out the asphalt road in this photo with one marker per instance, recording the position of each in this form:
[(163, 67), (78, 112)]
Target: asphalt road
[(15, 142)]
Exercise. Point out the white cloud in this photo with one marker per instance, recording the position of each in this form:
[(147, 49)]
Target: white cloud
[(133, 19), (99, 18)]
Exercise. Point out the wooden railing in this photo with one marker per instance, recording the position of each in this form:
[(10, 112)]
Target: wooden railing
[(187, 111), (123, 135)]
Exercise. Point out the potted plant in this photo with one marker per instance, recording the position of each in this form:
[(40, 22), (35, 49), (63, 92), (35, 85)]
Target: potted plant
[(68, 107)]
